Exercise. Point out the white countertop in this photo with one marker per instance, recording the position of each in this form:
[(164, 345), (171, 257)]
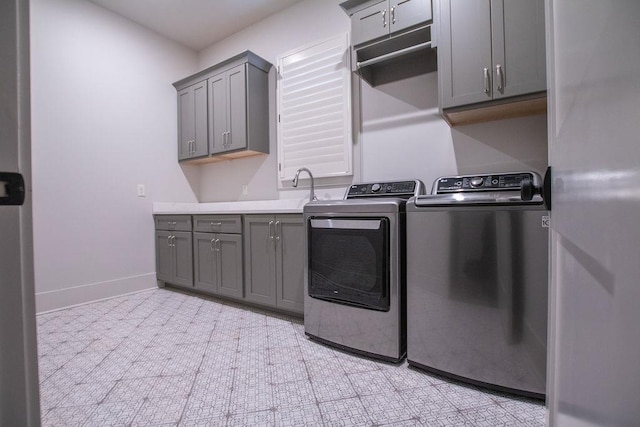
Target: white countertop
[(244, 207)]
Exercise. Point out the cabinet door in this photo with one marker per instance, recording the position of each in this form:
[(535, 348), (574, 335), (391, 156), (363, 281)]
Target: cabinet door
[(259, 248), (192, 121), (164, 260), (186, 120), (205, 265), (291, 255), (407, 13), (370, 23), (200, 136), (182, 258), (237, 102), (518, 40), (229, 255), (464, 52), (217, 113)]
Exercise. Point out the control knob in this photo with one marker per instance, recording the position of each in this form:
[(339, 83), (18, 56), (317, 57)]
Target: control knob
[(476, 181), (375, 188)]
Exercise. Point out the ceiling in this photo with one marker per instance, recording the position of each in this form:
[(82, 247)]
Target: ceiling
[(195, 23)]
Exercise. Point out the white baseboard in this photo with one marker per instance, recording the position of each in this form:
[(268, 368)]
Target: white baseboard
[(68, 297)]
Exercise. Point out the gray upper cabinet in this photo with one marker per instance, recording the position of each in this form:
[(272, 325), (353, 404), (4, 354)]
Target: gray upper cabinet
[(274, 255), (490, 49), (192, 121), (228, 105), (174, 259), (223, 111), (373, 20)]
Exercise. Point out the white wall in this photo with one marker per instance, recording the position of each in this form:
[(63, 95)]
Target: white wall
[(103, 121), (399, 132)]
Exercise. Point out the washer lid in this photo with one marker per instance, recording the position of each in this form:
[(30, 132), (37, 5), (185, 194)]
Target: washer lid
[(501, 198)]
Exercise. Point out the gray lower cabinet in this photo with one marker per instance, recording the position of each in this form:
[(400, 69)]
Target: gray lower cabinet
[(174, 259), (218, 255), (274, 261), (490, 50)]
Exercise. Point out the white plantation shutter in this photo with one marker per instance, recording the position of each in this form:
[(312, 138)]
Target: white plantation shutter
[(314, 109)]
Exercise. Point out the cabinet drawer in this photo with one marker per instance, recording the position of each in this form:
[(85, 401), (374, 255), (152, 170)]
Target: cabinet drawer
[(217, 223), (173, 222)]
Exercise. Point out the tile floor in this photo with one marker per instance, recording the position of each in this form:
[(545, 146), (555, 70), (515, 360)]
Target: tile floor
[(162, 357)]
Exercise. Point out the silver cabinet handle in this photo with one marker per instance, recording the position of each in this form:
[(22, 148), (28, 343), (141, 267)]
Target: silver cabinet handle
[(278, 229), (487, 81), (195, 146), (500, 74), (218, 245), (271, 231), (174, 241), (384, 18), (216, 224), (168, 240), (213, 245), (393, 15)]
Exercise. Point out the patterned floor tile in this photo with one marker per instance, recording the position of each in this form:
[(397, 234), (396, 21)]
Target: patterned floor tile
[(368, 383), (298, 416), (164, 357), (114, 413), (250, 419), (68, 416), (345, 412), (386, 408), (164, 410), (489, 416)]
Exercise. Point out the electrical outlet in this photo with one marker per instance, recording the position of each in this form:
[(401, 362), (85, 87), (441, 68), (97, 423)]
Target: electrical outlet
[(142, 191), (245, 190)]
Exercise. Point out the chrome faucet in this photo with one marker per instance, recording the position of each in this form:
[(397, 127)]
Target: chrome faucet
[(312, 195)]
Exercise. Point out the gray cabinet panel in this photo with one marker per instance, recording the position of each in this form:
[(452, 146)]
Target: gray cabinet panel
[(274, 261), (407, 13), (186, 116), (237, 101), (173, 222), (490, 49), (370, 23), (200, 138), (230, 274), (291, 253), (192, 121), (183, 258), (164, 262), (465, 52), (518, 39), (205, 268), (260, 264), (217, 112), (217, 223), (218, 263), (174, 259)]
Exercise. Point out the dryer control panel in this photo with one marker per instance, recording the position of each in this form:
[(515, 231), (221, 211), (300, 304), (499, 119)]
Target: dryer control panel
[(399, 189)]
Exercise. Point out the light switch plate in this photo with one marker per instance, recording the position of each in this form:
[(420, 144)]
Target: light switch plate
[(142, 191)]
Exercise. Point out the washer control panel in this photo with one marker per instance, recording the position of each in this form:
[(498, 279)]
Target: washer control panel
[(400, 189), (490, 182)]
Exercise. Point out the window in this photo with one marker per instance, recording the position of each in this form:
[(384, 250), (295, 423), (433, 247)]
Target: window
[(314, 109)]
